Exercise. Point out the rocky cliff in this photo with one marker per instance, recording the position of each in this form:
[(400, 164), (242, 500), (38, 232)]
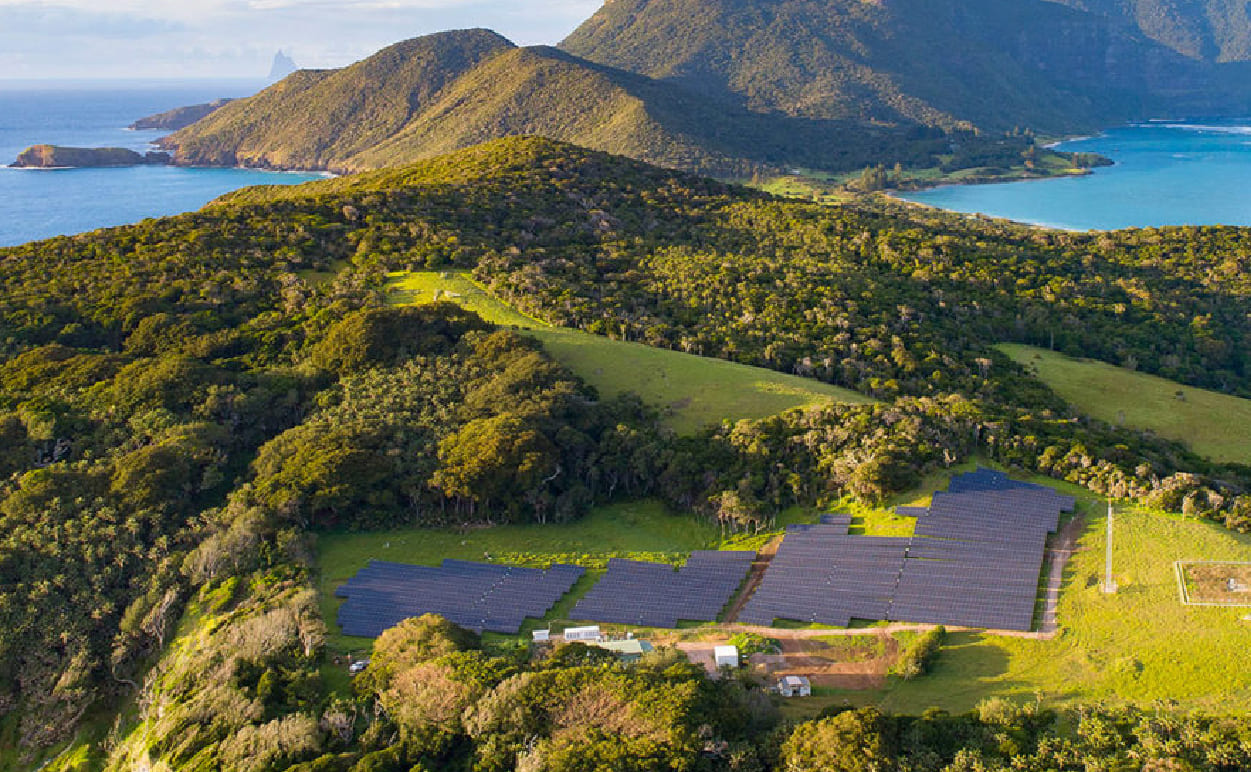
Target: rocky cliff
[(55, 157)]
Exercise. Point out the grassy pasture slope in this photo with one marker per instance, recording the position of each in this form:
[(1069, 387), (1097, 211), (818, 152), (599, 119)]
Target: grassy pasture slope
[(695, 391), (1209, 423)]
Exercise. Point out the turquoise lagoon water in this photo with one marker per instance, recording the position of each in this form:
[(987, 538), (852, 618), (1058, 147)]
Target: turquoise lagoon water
[(1166, 173), (37, 204)]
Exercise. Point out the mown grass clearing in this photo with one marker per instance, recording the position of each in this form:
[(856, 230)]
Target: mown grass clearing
[(1209, 423), (407, 289), (694, 392)]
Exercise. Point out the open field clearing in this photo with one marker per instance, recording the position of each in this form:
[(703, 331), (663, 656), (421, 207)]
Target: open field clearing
[(1209, 423), (1140, 645), (694, 391)]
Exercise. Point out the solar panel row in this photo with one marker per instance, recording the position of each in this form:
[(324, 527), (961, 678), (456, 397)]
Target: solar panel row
[(655, 595), (823, 575), (477, 596), (974, 560)]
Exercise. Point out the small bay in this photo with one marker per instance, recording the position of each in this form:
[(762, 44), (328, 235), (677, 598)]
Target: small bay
[(39, 203), (1166, 173)]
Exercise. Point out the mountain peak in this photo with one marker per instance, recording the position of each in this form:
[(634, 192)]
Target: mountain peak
[(282, 67)]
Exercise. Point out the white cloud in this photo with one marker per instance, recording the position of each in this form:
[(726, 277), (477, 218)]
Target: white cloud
[(236, 38)]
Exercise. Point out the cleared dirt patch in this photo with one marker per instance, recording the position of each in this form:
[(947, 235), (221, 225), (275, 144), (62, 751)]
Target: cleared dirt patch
[(1215, 584), (843, 662)]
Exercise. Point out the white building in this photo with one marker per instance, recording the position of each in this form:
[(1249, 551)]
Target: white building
[(583, 634), (794, 686), (541, 635), (726, 656)]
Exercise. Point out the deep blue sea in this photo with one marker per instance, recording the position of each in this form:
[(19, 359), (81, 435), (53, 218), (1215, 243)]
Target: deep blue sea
[(36, 204), (1166, 173)]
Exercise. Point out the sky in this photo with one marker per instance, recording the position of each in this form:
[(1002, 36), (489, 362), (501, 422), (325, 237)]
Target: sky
[(76, 39)]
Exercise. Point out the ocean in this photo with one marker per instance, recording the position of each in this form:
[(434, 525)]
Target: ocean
[(1166, 173), (37, 204)]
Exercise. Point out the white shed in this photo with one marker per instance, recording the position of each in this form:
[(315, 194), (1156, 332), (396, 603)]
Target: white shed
[(541, 635), (583, 633), (726, 656), (794, 686)]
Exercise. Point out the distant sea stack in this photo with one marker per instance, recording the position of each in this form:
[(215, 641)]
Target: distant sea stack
[(179, 117), (54, 157), (282, 67)]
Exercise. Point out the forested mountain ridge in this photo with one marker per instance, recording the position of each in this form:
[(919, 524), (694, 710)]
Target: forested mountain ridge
[(185, 402), (937, 62), (319, 119), (1209, 30), (447, 91), (730, 88)]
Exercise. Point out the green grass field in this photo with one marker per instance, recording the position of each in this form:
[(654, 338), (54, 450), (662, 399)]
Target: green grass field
[(694, 391), (1209, 423)]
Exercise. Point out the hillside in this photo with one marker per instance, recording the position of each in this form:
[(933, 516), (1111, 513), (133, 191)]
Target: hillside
[(188, 404), (444, 92), (1210, 423), (731, 89), (320, 119), (937, 62), (691, 392), (1209, 30), (179, 117)]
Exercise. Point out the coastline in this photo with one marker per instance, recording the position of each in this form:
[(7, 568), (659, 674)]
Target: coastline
[(998, 179), (1166, 174), (990, 217)]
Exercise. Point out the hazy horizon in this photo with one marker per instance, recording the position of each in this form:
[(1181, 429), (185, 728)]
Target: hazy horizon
[(151, 40)]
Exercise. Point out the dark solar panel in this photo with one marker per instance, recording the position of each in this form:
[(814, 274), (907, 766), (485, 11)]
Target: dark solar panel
[(657, 595), (974, 561), (478, 596)]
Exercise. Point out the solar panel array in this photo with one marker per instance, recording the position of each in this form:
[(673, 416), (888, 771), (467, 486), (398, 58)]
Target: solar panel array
[(655, 595), (476, 596), (974, 561), (820, 574)]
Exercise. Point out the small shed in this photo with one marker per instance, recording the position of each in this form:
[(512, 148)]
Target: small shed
[(583, 634), (629, 651), (794, 686), (726, 656), (540, 636)]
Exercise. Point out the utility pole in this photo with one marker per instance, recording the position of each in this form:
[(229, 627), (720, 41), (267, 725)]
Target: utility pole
[(1109, 584)]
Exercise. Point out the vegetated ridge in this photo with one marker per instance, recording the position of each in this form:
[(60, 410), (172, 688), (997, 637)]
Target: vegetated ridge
[(179, 117), (1207, 30), (443, 92), (733, 88), (988, 63)]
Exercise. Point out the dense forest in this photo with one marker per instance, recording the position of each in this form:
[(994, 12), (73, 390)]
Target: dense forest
[(186, 403)]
